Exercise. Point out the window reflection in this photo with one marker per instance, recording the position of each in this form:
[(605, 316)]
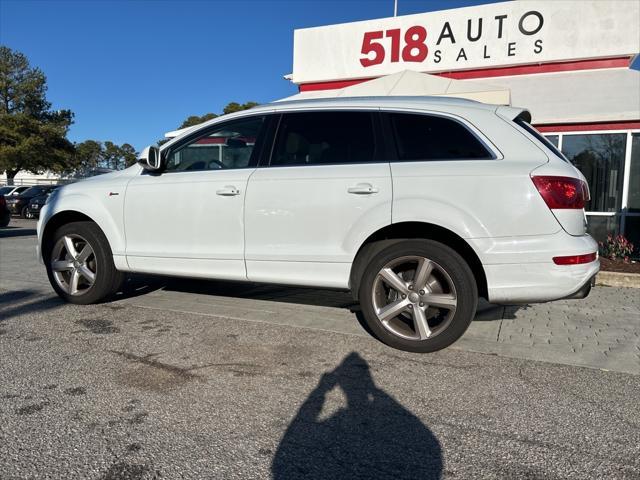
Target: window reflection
[(600, 157)]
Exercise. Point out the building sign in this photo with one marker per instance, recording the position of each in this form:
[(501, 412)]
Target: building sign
[(493, 35)]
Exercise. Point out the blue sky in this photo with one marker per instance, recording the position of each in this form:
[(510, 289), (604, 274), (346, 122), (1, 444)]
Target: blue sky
[(132, 70)]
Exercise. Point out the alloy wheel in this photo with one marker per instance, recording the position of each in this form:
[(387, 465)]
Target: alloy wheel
[(414, 298), (73, 263)]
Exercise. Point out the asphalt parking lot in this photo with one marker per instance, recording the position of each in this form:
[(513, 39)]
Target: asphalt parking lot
[(184, 379)]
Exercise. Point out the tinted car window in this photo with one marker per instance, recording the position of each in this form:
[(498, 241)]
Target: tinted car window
[(429, 137), (324, 138), (229, 145), (5, 190), (32, 191)]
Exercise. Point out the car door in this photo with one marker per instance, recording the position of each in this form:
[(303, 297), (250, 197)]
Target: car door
[(326, 188), (189, 219)]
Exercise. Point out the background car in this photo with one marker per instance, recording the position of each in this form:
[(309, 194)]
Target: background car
[(19, 204), (11, 190), (5, 214), (36, 204)]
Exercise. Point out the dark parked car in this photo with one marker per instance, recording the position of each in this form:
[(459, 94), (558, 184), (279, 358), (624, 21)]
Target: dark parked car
[(5, 214), (36, 204), (19, 204)]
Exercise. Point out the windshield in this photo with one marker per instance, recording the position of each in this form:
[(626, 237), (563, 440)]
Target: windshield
[(545, 141)]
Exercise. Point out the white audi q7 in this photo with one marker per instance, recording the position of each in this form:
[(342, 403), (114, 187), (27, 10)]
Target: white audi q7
[(417, 205)]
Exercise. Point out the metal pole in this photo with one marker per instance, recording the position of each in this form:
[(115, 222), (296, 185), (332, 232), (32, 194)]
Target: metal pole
[(395, 8)]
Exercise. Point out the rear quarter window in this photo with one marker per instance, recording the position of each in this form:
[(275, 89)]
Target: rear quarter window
[(421, 137)]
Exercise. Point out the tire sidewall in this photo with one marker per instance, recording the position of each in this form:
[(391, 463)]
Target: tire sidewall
[(103, 285), (456, 268)]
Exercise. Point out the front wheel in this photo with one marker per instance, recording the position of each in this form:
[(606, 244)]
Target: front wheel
[(418, 296), (80, 264)]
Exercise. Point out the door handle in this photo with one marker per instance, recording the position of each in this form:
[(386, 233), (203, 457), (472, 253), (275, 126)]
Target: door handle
[(228, 191), (363, 189)]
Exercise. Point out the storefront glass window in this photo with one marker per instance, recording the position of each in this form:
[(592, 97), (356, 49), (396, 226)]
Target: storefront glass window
[(600, 226), (632, 232), (600, 157), (633, 201)]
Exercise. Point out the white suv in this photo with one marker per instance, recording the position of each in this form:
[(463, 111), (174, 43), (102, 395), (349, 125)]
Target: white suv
[(416, 205)]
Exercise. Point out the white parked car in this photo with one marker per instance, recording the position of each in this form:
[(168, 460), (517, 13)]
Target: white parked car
[(416, 205)]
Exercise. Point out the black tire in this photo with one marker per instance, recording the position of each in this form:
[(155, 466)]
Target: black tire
[(453, 325), (24, 212), (107, 279), (5, 220)]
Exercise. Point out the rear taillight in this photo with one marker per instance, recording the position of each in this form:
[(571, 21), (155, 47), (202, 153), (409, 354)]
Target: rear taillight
[(562, 192), (575, 259), (3, 202)]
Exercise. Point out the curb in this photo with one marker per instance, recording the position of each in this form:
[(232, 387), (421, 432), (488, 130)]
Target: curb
[(616, 279)]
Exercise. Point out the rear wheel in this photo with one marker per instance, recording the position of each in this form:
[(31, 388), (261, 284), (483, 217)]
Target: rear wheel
[(418, 295), (80, 264)]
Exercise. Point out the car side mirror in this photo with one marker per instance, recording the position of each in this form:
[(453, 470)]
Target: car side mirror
[(150, 159)]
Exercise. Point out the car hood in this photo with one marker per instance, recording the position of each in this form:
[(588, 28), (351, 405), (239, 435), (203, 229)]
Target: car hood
[(112, 178)]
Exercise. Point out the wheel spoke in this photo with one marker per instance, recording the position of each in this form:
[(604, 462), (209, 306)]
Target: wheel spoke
[(73, 282), (71, 249), (441, 300), (62, 265), (420, 323), (87, 274), (423, 272), (393, 280), (85, 253), (392, 310)]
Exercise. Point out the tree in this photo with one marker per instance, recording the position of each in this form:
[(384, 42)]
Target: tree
[(129, 154), (230, 108), (88, 155), (236, 107), (32, 136), (196, 120)]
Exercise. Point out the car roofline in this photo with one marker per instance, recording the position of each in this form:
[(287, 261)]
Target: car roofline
[(381, 102)]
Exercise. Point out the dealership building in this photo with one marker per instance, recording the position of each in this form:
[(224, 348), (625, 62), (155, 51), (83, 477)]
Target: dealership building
[(568, 62)]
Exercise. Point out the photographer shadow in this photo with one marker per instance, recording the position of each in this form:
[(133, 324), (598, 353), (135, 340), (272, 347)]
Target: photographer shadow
[(372, 437)]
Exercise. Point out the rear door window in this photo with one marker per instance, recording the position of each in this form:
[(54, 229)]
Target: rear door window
[(324, 138), (422, 137)]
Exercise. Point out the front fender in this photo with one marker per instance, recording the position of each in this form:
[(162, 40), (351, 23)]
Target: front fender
[(107, 214)]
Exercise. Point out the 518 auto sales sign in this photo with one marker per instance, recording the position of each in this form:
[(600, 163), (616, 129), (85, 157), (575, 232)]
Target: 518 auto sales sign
[(487, 36)]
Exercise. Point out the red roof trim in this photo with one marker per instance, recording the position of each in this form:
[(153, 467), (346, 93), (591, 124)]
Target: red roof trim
[(586, 127), (334, 85), (618, 62)]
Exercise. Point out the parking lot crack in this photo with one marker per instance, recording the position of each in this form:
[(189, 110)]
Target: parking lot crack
[(150, 362)]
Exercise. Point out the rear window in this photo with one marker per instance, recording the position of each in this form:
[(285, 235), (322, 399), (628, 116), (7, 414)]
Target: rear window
[(541, 138), (430, 137)]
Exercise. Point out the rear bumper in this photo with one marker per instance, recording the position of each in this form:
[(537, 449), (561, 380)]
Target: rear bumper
[(521, 269), (537, 282), (15, 208)]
